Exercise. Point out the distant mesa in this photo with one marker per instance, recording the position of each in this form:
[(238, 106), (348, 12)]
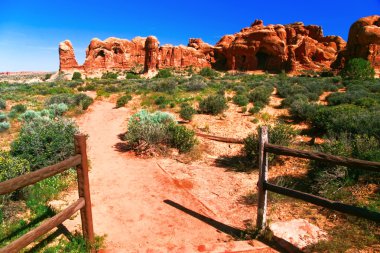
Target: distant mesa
[(294, 47)]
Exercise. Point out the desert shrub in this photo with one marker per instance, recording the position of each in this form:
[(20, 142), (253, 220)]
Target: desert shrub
[(261, 94), (329, 180), (110, 75), (11, 167), (208, 72), (159, 128), (44, 141), (131, 75), (47, 76), (241, 100), (77, 76), (195, 83), (239, 89), (29, 115), (83, 100), (213, 104), (19, 108), (302, 109), (148, 127), (3, 104), (4, 125), (243, 109), (279, 134), (167, 85), (61, 98), (347, 118), (3, 117), (164, 73), (358, 69), (181, 138), (123, 100), (58, 109), (187, 111), (254, 110)]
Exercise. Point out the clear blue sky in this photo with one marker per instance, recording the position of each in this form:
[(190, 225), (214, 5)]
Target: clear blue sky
[(30, 30)]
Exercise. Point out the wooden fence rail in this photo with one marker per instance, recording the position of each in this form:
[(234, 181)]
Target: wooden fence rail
[(263, 185), (83, 203)]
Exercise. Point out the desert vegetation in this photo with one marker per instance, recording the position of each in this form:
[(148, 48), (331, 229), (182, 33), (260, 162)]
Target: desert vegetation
[(336, 115)]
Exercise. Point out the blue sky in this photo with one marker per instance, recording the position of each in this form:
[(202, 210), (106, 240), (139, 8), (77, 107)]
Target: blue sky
[(30, 31)]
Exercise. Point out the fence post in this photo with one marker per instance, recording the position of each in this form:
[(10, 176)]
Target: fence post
[(263, 176), (84, 189)]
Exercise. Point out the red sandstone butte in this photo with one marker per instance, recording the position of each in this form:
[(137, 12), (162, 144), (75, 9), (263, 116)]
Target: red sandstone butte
[(292, 47), (364, 41)]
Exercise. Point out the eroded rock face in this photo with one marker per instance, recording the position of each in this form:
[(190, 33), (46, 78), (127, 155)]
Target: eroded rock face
[(277, 47), (364, 40), (67, 59), (114, 54), (291, 47)]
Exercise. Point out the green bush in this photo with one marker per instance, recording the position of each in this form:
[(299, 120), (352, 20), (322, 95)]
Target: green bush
[(328, 179), (241, 100), (358, 69), (110, 75), (3, 104), (4, 126), (213, 104), (187, 111), (58, 109), (77, 76), (195, 83), (3, 117), (181, 138), (19, 108), (159, 128), (83, 100), (167, 85), (11, 167), (149, 127), (208, 72), (123, 100), (261, 94), (131, 75), (279, 134), (164, 73), (44, 142)]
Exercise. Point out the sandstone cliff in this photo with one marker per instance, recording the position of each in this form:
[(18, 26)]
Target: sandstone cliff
[(363, 42), (292, 47)]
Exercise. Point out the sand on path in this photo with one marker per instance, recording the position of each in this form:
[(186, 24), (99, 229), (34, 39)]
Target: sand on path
[(128, 193)]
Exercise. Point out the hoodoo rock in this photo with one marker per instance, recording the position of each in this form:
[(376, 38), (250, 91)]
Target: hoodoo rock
[(67, 59), (364, 41), (294, 47)]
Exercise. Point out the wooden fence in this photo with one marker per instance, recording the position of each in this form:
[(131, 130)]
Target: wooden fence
[(263, 186), (83, 203)]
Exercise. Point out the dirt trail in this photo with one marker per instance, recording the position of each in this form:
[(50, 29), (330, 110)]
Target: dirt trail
[(128, 193)]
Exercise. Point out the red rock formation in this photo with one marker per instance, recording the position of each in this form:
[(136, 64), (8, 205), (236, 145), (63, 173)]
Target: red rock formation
[(364, 41), (274, 47), (67, 59), (151, 54), (114, 54), (278, 47)]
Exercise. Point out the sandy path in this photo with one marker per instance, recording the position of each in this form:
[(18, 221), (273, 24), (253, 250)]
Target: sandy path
[(128, 193)]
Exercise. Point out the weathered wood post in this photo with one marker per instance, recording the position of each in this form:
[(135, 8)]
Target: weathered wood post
[(84, 189), (263, 176)]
